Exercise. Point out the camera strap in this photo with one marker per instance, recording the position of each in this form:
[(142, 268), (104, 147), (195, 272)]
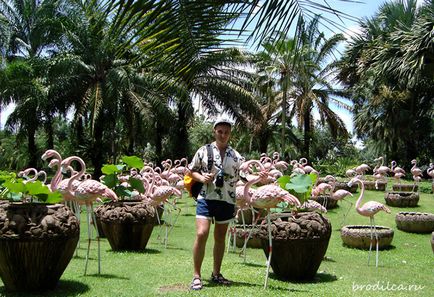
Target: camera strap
[(210, 157)]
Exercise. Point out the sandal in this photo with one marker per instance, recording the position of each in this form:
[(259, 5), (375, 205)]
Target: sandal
[(220, 280), (196, 284)]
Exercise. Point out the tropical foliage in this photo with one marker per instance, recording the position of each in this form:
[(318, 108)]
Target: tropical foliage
[(388, 68), (107, 78)]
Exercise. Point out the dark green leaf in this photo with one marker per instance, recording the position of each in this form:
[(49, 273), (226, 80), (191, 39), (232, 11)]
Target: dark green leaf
[(15, 186), (112, 169), (110, 180), (137, 184), (133, 162), (36, 188)]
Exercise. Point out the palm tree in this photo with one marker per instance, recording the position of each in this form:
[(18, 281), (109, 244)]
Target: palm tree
[(33, 27), (388, 68), (303, 68), (312, 87)]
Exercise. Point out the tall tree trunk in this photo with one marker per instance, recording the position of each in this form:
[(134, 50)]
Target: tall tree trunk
[(31, 147), (50, 132), (283, 138), (158, 142), (307, 135), (181, 137), (97, 156), (263, 141)]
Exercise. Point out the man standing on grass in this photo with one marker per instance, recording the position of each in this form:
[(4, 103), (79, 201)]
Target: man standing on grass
[(216, 200)]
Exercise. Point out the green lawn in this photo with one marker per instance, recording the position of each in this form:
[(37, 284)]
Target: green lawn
[(168, 272)]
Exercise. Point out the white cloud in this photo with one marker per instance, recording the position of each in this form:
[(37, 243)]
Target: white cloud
[(4, 114)]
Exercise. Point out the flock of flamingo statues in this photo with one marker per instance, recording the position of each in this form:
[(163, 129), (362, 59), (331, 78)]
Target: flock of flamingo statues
[(80, 189)]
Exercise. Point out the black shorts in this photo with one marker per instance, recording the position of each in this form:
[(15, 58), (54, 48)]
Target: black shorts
[(221, 211)]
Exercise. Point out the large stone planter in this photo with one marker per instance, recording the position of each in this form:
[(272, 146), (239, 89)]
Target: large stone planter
[(415, 222), (405, 188), (432, 242), (241, 234), (248, 217), (98, 223), (359, 236), (128, 225), (326, 200), (344, 186), (370, 185), (401, 199), (36, 244), (300, 242)]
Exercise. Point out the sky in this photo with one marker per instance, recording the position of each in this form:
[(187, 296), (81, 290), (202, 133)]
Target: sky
[(358, 10)]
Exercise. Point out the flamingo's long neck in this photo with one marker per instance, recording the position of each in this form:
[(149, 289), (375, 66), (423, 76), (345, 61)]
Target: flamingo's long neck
[(362, 192), (57, 176), (75, 175), (247, 195), (393, 165), (153, 174), (414, 166)]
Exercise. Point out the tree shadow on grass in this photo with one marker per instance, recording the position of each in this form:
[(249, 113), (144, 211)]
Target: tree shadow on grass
[(250, 264), (318, 278), (145, 251), (260, 286), (386, 248), (63, 288), (107, 276)]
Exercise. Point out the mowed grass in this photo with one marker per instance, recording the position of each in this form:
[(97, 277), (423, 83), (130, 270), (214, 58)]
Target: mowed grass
[(406, 269)]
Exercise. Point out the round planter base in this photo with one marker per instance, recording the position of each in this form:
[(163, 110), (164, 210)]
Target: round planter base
[(127, 236), (359, 236), (248, 217), (370, 185), (405, 188), (326, 200), (300, 242), (344, 186), (254, 242), (36, 244), (401, 199), (432, 242), (127, 224), (415, 222)]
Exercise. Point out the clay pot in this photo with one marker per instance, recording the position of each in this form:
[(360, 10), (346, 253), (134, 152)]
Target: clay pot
[(344, 186), (370, 185), (415, 222), (248, 217), (331, 203), (432, 242), (299, 241), (405, 188), (402, 199), (359, 236), (128, 225), (36, 244), (241, 234)]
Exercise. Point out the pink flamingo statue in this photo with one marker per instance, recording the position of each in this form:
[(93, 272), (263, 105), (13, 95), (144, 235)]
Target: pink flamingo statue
[(398, 172), (266, 197), (361, 170), (159, 195), (57, 159), (86, 193), (279, 164), (430, 171), (369, 209), (416, 172)]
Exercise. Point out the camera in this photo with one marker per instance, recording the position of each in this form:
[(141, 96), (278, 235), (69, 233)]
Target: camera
[(219, 180)]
